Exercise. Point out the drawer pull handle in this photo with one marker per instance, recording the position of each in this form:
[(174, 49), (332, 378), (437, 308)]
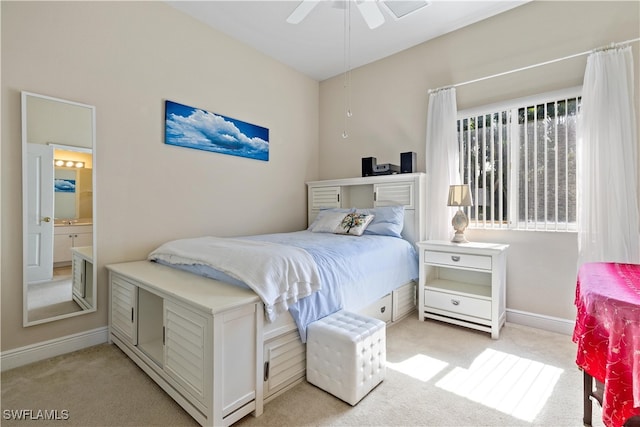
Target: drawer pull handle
[(455, 302), (455, 258)]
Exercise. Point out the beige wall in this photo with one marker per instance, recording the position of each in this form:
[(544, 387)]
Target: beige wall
[(389, 106), (126, 58)]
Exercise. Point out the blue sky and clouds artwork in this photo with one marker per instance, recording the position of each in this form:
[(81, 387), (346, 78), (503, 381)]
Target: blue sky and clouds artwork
[(195, 128), (64, 185)]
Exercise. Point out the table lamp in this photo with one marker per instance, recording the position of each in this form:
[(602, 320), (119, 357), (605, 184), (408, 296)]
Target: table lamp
[(459, 195)]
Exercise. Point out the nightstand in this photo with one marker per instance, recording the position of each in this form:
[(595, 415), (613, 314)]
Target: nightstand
[(463, 284)]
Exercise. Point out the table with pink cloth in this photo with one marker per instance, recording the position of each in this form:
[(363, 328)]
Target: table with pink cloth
[(607, 332)]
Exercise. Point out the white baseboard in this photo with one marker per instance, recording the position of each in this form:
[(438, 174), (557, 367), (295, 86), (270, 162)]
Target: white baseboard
[(43, 350), (547, 323)]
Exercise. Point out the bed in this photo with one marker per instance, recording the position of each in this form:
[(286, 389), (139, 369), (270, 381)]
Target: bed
[(372, 270), (607, 332), (352, 272), (346, 259), (220, 323)]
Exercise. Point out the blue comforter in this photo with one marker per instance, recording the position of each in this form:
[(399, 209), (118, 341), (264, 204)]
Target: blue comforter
[(354, 271)]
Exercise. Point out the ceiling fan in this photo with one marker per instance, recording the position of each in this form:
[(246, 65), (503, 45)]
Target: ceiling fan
[(369, 9)]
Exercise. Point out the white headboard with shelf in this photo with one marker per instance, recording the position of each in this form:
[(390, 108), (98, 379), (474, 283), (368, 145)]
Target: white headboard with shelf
[(407, 190)]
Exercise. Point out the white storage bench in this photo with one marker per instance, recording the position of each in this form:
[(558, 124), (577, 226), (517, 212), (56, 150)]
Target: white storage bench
[(346, 355)]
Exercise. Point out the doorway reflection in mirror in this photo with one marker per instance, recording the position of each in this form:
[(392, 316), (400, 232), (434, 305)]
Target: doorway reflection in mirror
[(58, 208)]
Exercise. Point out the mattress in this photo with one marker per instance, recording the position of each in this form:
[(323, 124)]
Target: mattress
[(354, 271)]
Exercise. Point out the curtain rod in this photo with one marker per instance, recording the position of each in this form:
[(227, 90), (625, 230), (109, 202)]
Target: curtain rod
[(611, 46)]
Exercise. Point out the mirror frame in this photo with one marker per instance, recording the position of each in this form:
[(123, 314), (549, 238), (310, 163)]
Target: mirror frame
[(25, 313)]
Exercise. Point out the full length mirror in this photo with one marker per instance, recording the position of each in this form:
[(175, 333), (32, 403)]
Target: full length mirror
[(58, 200)]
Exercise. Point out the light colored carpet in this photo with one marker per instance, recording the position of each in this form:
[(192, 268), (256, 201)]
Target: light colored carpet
[(52, 292), (50, 299), (438, 375)]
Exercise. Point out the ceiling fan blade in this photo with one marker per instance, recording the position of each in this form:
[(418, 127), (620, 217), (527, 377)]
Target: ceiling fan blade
[(301, 11), (370, 12)]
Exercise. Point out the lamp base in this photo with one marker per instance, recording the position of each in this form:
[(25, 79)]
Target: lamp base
[(459, 237), (459, 222)]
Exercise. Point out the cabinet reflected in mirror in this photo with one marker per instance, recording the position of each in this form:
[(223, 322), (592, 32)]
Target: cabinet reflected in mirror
[(58, 142)]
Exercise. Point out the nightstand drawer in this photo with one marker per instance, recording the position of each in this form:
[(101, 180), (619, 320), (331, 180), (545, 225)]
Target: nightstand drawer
[(459, 304), (481, 262)]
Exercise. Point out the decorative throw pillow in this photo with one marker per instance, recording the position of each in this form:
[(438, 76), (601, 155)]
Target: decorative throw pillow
[(353, 224), (328, 220)]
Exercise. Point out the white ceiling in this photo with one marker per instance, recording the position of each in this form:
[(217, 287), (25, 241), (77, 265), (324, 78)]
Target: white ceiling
[(316, 46)]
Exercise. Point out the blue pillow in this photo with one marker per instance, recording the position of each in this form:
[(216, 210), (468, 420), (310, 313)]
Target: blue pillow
[(387, 220)]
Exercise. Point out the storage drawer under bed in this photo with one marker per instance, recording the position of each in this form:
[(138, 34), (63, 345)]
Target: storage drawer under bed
[(381, 309)]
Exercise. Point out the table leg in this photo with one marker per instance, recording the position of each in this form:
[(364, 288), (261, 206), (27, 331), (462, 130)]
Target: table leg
[(587, 390), (633, 421)]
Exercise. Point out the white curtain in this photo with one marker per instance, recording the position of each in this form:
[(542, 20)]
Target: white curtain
[(442, 162), (607, 182)]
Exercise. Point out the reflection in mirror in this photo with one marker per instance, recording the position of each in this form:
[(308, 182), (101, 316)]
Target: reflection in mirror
[(58, 142)]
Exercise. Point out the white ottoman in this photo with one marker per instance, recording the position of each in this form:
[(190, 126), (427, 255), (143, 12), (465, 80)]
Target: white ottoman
[(346, 355)]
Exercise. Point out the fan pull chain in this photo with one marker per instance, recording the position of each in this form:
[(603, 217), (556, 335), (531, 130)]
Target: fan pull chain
[(347, 67)]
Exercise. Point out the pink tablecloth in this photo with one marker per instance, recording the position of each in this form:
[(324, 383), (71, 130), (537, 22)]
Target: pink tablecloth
[(607, 332)]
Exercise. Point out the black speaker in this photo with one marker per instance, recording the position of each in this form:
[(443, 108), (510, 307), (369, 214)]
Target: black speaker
[(407, 162), (368, 165)]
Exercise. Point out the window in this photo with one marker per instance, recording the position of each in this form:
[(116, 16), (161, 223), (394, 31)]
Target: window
[(520, 159)]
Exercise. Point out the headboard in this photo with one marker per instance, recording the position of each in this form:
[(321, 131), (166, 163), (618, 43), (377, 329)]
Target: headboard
[(407, 190)]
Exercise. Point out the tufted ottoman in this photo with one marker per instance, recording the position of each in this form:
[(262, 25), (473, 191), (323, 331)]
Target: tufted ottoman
[(346, 354)]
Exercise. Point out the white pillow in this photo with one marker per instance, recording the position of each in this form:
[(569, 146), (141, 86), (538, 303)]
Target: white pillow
[(353, 224), (328, 222), (326, 211)]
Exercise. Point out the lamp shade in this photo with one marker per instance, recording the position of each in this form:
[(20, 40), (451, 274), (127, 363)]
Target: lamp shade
[(460, 195)]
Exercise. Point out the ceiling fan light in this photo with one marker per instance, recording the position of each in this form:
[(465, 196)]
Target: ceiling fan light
[(401, 8)]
